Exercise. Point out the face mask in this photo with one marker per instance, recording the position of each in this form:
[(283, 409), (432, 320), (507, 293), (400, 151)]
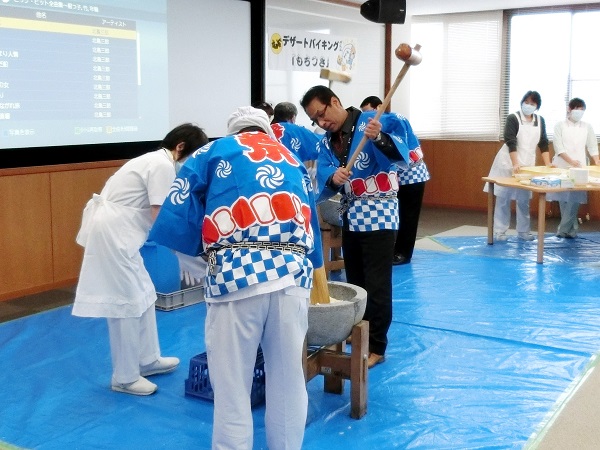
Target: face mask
[(528, 109), (577, 114)]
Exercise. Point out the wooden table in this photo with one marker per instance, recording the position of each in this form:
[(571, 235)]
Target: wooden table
[(542, 191)]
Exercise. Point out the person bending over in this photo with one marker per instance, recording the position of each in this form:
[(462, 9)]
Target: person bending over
[(113, 282), (247, 202)]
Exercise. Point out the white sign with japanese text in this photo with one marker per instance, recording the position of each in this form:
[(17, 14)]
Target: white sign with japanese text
[(310, 52)]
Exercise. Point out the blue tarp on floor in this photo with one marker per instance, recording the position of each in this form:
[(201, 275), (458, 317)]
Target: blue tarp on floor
[(483, 345)]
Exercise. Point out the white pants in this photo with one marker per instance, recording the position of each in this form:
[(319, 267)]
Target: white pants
[(502, 215), (233, 332), (133, 343), (569, 223)]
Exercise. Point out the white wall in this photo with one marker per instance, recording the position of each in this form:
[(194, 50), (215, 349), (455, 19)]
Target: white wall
[(199, 90), (313, 16)]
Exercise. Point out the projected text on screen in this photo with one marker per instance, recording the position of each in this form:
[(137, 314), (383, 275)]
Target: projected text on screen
[(78, 74)]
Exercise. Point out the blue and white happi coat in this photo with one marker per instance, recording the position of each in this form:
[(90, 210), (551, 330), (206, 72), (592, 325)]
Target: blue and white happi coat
[(300, 140), (241, 190), (305, 145), (414, 169), (369, 198)]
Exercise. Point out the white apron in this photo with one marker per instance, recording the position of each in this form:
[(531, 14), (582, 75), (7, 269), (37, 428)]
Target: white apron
[(113, 281), (528, 138), (574, 139)]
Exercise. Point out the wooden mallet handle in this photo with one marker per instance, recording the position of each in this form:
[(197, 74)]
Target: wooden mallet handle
[(410, 58)]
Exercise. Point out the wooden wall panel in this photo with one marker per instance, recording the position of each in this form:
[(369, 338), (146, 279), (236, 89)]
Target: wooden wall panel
[(25, 232), (69, 192), (41, 214), (42, 207), (456, 169)]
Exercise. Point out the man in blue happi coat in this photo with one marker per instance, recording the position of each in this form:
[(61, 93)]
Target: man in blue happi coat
[(246, 202), (369, 197)]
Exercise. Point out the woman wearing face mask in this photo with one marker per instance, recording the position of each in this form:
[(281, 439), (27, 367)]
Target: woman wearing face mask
[(113, 282), (523, 132), (572, 137)]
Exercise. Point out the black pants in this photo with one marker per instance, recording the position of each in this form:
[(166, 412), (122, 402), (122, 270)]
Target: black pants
[(368, 257), (410, 199)]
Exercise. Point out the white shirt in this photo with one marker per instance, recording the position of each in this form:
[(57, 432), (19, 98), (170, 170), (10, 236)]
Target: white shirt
[(143, 181), (113, 281)]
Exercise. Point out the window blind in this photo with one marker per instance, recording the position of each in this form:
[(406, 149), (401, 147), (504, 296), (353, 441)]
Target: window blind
[(456, 92)]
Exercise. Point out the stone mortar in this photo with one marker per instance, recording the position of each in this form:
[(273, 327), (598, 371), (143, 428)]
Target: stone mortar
[(331, 323)]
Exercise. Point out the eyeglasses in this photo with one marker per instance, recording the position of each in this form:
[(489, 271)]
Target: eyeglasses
[(320, 115)]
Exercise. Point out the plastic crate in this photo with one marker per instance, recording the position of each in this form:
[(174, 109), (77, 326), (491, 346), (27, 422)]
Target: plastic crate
[(198, 382), (179, 299)]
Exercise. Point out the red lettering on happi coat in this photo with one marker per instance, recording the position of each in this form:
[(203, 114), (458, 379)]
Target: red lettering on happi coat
[(261, 147)]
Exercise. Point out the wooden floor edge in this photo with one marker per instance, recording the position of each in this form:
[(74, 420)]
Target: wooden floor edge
[(13, 295), (538, 436)]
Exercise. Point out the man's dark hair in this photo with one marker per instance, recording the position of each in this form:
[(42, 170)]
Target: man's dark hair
[(193, 136), (323, 93), (372, 100), (284, 112), (265, 106)]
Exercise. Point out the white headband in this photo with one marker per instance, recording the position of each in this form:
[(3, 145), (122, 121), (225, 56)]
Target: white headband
[(247, 116)]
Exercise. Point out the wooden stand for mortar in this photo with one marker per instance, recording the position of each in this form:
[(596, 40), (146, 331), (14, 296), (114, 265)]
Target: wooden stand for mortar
[(336, 366)]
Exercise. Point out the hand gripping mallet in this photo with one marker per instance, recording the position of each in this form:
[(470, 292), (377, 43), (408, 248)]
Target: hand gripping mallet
[(411, 57)]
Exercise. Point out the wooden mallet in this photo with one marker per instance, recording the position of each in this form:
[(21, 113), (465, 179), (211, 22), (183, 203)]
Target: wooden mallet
[(411, 57), (319, 293), (335, 75)]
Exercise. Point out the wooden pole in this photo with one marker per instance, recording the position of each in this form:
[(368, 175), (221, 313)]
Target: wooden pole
[(381, 109), (320, 289)]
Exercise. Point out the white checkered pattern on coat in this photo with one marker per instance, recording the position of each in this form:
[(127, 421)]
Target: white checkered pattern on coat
[(414, 174), (372, 214), (241, 267)]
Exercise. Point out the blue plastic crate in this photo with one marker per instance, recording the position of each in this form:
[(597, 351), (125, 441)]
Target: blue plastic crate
[(198, 382)]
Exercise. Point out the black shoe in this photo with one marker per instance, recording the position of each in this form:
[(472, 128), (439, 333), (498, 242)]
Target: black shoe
[(400, 260)]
